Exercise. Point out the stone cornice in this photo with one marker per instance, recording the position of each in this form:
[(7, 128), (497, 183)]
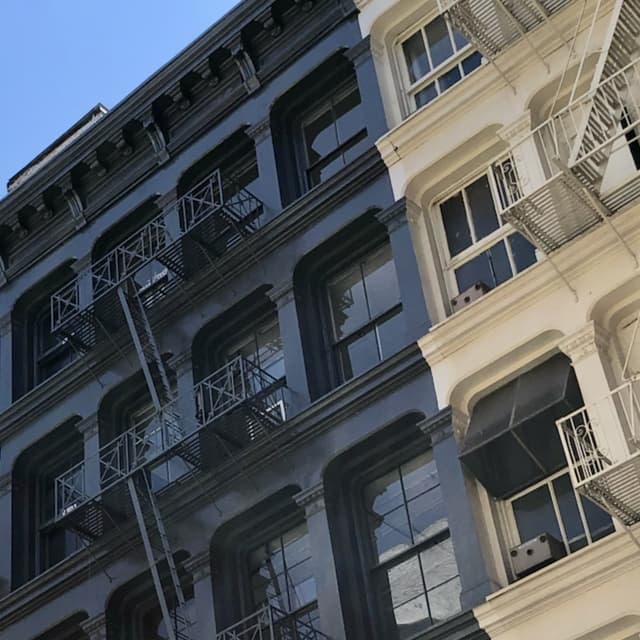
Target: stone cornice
[(116, 126), (360, 52), (260, 131), (592, 338), (199, 565), (437, 427), (282, 293), (88, 427), (95, 628)]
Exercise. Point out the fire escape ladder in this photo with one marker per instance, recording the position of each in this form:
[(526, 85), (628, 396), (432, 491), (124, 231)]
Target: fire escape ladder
[(158, 550), (604, 111), (143, 339)]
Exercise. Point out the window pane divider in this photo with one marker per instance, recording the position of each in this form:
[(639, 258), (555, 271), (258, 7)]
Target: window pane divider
[(556, 509), (442, 68), (370, 325), (414, 549)]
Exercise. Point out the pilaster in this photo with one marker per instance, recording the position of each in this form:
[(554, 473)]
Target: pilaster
[(267, 186), (474, 577), (182, 364), (283, 294), (199, 566), (324, 570), (88, 428), (6, 361), (95, 628), (5, 533), (416, 316)]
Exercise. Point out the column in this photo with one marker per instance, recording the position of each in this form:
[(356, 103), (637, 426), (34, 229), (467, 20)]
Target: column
[(95, 628), (199, 567), (360, 55), (88, 427), (6, 362), (324, 569), (588, 350), (5, 534), (417, 319), (284, 297), (267, 187), (474, 578), (182, 365)]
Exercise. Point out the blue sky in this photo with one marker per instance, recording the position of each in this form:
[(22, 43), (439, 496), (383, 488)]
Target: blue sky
[(58, 58)]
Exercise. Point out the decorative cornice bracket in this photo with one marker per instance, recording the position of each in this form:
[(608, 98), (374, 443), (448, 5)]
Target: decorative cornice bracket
[(246, 66), (74, 202), (157, 138)]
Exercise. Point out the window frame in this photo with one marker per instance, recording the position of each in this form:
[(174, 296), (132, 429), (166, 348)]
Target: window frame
[(337, 345), (509, 526), (43, 357), (408, 89), (305, 166), (368, 555), (449, 264)]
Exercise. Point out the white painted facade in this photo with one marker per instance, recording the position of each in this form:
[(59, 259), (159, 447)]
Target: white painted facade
[(582, 299)]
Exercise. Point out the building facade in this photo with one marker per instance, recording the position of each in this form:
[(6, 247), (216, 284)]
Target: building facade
[(215, 419), (513, 141)]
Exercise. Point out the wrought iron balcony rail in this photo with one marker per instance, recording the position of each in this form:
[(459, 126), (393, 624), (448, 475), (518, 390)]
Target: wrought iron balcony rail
[(494, 25), (558, 198), (214, 197), (270, 623), (240, 382), (601, 443)]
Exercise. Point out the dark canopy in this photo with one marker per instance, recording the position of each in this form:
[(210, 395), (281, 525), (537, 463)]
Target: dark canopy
[(512, 440)]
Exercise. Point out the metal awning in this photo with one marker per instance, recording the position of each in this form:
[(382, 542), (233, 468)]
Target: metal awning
[(512, 439)]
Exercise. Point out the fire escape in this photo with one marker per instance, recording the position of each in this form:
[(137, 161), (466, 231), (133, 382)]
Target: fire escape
[(566, 195), (202, 235)]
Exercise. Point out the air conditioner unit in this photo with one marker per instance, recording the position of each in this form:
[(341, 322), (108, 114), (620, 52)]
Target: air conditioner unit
[(535, 554), (468, 296)]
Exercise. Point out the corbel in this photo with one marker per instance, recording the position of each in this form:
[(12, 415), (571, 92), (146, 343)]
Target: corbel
[(21, 228), (156, 137), (304, 5), (245, 65), (44, 208), (180, 97), (73, 200), (210, 73), (272, 24), (123, 144), (3, 272), (97, 165)]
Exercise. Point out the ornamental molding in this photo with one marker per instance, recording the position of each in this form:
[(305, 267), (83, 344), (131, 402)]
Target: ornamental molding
[(591, 339), (394, 216), (88, 426), (260, 131), (361, 52), (442, 425), (245, 64), (282, 293), (156, 138), (517, 130), (74, 202), (199, 565), (181, 361), (5, 324), (95, 628), (311, 500)]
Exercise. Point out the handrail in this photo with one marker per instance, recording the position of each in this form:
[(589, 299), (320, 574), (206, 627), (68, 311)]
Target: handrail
[(218, 394), (150, 242)]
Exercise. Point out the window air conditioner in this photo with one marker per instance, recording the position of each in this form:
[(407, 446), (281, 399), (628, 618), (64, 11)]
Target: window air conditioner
[(535, 554), (468, 296)]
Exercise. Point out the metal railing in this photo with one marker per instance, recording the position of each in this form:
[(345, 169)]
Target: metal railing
[(602, 435), (218, 394), (234, 383), (270, 623), (152, 242)]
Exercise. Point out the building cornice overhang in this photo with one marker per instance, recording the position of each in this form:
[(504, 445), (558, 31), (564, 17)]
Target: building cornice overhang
[(46, 198)]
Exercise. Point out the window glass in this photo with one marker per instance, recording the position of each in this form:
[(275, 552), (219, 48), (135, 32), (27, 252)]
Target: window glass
[(471, 63), (263, 348), (599, 521), (569, 513), (534, 515), (348, 302), (483, 211), (524, 253), (359, 354), (426, 95), (415, 56), (349, 116), (456, 226), (491, 267), (439, 41), (381, 282), (320, 136), (391, 334), (448, 79)]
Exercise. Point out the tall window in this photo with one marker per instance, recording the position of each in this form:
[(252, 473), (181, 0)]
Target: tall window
[(366, 314), (281, 574), (262, 347), (333, 134), (435, 58), (51, 352), (413, 562), (478, 247), (552, 506)]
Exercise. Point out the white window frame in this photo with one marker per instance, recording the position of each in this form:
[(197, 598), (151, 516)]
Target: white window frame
[(409, 89), (508, 519), (448, 263)]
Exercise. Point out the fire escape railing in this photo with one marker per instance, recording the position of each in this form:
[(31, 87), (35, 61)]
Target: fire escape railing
[(238, 383), (601, 442), (270, 623), (159, 240)]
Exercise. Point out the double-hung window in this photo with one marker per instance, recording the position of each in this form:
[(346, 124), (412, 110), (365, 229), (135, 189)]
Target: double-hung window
[(435, 58), (477, 246), (281, 575), (51, 352), (366, 314), (333, 134), (553, 507), (413, 563)]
